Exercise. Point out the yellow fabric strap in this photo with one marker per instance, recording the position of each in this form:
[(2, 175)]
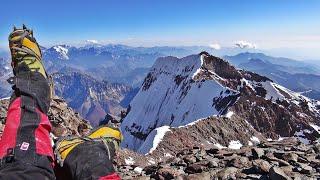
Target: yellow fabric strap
[(32, 46), (106, 132), (66, 146)]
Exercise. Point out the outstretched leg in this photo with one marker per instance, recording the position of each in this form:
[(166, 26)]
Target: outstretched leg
[(25, 146)]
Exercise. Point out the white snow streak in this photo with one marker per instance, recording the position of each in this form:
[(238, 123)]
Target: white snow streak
[(300, 135), (138, 170), (129, 161), (234, 145), (153, 139), (62, 51), (219, 146), (315, 127), (161, 131), (229, 114), (255, 140)]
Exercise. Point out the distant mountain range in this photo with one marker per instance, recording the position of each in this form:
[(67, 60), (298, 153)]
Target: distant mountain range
[(295, 75), (113, 63), (104, 65), (286, 64)]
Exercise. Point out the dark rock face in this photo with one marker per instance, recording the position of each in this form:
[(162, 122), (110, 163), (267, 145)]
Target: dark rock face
[(229, 164), (148, 81), (93, 99)]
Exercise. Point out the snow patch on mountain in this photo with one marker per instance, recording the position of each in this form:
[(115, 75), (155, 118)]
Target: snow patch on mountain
[(93, 41), (219, 146), (235, 145), (63, 51), (154, 138), (301, 136), (315, 127), (229, 114), (129, 161), (255, 140), (191, 124)]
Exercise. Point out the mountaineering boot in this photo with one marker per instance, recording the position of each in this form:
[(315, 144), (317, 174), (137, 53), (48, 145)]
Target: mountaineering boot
[(25, 51), (26, 54), (93, 153), (25, 146)]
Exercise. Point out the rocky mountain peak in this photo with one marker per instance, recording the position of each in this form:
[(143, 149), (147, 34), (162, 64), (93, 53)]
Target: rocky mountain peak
[(180, 92)]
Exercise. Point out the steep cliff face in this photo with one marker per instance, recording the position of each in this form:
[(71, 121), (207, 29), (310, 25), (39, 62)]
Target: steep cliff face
[(93, 99), (180, 92)]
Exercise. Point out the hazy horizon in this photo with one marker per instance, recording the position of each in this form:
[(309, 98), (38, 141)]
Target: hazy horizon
[(281, 28)]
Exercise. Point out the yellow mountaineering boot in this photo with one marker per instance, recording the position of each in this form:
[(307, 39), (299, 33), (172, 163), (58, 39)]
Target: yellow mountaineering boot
[(26, 54), (108, 136), (25, 50)]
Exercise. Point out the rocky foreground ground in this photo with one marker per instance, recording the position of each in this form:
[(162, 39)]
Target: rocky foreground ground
[(285, 159)]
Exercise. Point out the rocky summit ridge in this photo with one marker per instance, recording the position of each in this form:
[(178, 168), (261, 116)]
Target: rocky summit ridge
[(202, 99)]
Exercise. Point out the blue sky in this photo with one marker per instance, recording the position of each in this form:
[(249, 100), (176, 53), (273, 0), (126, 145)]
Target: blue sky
[(279, 26)]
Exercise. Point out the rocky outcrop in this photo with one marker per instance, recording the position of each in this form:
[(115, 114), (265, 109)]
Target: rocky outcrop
[(65, 121), (285, 159)]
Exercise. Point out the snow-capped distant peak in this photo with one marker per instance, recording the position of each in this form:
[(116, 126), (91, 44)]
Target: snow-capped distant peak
[(92, 41), (62, 50)]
